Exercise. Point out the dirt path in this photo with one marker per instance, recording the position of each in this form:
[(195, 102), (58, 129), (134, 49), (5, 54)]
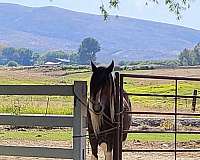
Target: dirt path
[(126, 156)]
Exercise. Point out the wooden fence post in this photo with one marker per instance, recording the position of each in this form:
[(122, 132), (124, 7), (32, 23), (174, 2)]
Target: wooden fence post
[(194, 101), (79, 123)]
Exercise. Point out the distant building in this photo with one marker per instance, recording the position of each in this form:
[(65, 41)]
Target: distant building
[(52, 63), (57, 62), (67, 61)]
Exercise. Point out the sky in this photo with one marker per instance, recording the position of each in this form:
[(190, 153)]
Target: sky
[(128, 8)]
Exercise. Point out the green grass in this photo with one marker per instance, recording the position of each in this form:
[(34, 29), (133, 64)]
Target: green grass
[(151, 137), (63, 105), (59, 135), (159, 87), (38, 104), (163, 137), (66, 135)]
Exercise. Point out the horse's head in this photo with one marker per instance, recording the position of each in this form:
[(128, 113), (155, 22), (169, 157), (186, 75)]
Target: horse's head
[(101, 87)]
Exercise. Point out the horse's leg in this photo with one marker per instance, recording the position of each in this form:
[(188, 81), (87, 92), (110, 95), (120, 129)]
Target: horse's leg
[(94, 146), (109, 155), (93, 157), (107, 151), (104, 148)]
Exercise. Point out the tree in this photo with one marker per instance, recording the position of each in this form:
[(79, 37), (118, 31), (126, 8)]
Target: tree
[(8, 53), (36, 58), (123, 63), (25, 56), (175, 6), (74, 57), (190, 57), (197, 53), (185, 57), (87, 50), (22, 56)]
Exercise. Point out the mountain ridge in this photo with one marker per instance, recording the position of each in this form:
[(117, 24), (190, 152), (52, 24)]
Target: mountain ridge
[(52, 28)]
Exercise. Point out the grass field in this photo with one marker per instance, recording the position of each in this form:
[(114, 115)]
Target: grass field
[(63, 105), (38, 104), (163, 137), (66, 135), (53, 135), (163, 87)]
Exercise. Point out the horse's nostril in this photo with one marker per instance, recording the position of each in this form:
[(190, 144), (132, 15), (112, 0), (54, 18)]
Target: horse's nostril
[(97, 108)]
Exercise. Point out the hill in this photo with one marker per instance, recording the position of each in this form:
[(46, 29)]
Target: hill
[(49, 28)]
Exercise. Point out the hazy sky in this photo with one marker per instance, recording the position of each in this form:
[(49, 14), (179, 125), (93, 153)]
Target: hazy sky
[(129, 8)]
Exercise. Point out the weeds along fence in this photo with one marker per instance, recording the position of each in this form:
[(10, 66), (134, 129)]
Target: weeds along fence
[(77, 121)]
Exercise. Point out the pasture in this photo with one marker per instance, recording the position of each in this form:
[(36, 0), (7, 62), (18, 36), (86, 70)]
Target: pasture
[(60, 105), (63, 105)]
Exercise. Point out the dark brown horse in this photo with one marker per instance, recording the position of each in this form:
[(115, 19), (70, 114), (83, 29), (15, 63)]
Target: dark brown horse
[(101, 111)]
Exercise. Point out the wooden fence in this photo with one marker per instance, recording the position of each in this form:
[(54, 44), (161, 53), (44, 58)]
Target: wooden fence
[(77, 121)]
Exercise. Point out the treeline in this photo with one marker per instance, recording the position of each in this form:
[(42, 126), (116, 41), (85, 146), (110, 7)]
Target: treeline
[(188, 57), (86, 52), (26, 57), (167, 63), (148, 65), (19, 56)]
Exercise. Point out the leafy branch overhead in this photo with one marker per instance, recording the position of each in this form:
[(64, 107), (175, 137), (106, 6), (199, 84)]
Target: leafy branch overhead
[(175, 6)]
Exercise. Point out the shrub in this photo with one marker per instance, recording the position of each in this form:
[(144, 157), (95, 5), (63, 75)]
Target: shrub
[(12, 64)]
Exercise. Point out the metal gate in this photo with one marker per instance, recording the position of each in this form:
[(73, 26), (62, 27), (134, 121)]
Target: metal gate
[(119, 115)]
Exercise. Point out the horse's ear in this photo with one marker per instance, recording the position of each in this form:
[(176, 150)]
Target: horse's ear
[(94, 68), (109, 69)]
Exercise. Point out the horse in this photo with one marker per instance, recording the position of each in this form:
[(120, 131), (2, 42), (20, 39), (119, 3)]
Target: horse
[(101, 111)]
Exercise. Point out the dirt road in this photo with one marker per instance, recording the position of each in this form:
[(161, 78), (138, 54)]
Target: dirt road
[(126, 156)]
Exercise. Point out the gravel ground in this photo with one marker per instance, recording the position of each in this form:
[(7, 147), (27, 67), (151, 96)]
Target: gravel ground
[(126, 156)]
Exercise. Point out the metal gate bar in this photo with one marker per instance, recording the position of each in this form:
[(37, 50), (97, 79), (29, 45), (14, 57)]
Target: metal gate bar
[(175, 110), (175, 113), (165, 113), (162, 150), (172, 132)]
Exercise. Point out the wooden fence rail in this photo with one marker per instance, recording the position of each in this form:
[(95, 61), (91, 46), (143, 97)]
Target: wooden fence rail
[(76, 121)]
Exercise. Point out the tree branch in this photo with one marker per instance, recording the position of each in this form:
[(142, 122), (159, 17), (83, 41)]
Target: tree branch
[(175, 6)]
